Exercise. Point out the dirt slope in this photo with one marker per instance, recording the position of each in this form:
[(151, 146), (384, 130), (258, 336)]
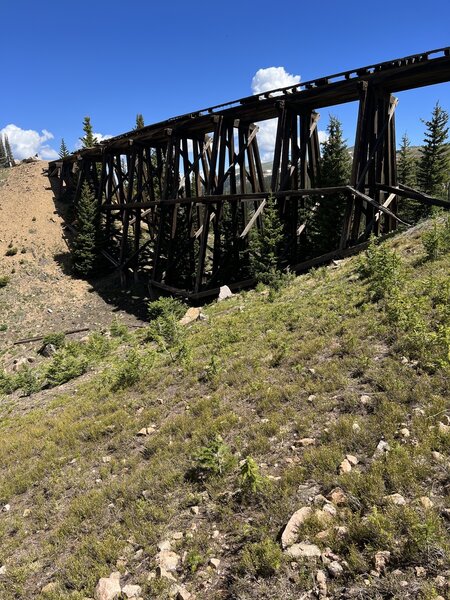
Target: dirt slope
[(40, 296)]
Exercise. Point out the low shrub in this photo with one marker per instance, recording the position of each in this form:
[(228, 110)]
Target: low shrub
[(261, 559)]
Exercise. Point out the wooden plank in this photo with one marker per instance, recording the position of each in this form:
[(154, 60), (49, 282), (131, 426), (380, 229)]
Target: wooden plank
[(256, 214)]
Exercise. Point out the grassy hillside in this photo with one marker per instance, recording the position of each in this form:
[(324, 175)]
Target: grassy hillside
[(330, 394)]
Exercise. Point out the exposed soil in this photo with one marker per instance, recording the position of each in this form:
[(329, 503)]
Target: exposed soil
[(41, 295)]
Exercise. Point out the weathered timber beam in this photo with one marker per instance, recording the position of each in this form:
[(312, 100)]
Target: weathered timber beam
[(256, 214), (372, 202), (407, 192), (326, 191)]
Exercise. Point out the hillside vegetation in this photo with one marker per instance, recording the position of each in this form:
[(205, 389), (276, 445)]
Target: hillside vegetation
[(183, 452)]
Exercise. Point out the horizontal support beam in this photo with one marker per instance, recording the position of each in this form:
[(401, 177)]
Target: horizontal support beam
[(407, 192)]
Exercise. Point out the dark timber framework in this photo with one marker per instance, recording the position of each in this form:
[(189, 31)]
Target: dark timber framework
[(178, 199)]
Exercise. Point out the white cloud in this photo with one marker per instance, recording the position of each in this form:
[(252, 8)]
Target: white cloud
[(100, 138), (27, 142), (265, 80), (272, 78)]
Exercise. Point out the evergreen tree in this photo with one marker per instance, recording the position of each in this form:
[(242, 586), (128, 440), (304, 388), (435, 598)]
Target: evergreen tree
[(139, 121), (335, 170), (85, 240), (3, 158), (63, 150), (434, 163), (9, 154), (406, 164), (88, 140), (266, 246), (409, 209)]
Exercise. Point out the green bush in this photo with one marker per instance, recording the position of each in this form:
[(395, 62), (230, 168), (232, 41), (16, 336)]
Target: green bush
[(382, 268), (165, 308), (261, 559), (118, 329), (55, 339), (65, 365), (213, 460), (129, 371), (11, 251), (251, 480), (4, 280), (437, 241)]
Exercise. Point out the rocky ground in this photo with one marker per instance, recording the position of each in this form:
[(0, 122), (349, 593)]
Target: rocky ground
[(41, 296)]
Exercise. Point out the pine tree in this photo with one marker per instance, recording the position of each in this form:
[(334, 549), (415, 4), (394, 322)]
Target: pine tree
[(63, 150), (88, 140), (434, 163), (3, 158), (85, 240), (409, 209), (9, 154), (266, 246), (334, 171), (406, 164), (139, 121)]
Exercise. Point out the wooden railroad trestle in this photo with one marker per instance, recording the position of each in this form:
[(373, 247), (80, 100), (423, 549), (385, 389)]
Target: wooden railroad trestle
[(177, 200)]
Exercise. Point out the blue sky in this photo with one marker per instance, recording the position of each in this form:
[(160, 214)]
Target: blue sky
[(111, 59)]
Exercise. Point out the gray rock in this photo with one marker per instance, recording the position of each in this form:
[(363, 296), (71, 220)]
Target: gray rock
[(108, 588), (132, 591), (224, 293), (303, 550), (335, 569), (289, 535)]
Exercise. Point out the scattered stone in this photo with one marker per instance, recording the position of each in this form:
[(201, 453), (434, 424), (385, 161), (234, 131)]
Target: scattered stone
[(138, 554), (178, 535), (341, 530), (437, 456), (289, 535), (311, 397), (337, 496), (352, 459), (345, 466), (356, 428), (321, 579), (132, 591), (182, 593), (364, 399), (381, 559), (108, 588), (224, 293), (6, 508), (3, 570), (106, 459), (443, 428), (405, 432), (303, 550), (146, 431), (195, 510), (48, 350), (426, 502), (440, 581), (27, 512), (396, 499), (322, 535), (381, 449), (168, 560), (164, 545), (335, 569), (215, 534), (307, 442), (49, 588), (192, 314), (214, 562), (420, 571), (320, 500)]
